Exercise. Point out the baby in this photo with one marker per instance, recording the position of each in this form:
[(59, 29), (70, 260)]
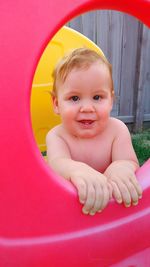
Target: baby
[(90, 148)]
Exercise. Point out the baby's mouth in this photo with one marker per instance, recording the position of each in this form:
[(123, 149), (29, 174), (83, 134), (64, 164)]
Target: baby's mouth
[(86, 122)]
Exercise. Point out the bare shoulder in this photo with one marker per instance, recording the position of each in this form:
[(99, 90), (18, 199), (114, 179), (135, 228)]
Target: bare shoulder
[(55, 143), (54, 134), (55, 131), (118, 126), (119, 130), (122, 148)]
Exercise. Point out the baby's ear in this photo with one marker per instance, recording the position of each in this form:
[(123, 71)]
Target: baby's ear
[(55, 103)]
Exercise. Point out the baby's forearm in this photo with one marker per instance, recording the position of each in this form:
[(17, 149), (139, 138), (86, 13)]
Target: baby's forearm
[(92, 187), (66, 166), (130, 164), (125, 186)]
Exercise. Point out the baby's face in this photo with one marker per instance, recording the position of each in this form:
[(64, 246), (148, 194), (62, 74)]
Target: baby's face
[(84, 101)]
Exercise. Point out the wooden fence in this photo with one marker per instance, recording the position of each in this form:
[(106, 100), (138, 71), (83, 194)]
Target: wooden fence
[(126, 43)]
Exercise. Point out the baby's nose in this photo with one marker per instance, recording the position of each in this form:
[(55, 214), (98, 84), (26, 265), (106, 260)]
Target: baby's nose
[(87, 106)]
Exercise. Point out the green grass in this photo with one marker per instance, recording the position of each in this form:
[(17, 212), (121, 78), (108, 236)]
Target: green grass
[(141, 144), (44, 153)]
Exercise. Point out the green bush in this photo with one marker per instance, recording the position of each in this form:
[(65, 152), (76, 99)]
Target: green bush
[(141, 144)]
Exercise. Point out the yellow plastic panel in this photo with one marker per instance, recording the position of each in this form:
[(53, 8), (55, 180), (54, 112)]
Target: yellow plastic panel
[(43, 117)]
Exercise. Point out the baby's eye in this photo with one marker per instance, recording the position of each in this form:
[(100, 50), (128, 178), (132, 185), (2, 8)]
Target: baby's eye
[(97, 97), (74, 98)]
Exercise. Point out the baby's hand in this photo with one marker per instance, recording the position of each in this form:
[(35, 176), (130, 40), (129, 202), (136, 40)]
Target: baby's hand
[(92, 189), (125, 186)]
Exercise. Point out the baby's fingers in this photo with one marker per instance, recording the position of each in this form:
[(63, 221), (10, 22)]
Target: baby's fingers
[(116, 192), (106, 197), (81, 188), (101, 198), (90, 200), (125, 194), (98, 199), (137, 186), (126, 197), (133, 193)]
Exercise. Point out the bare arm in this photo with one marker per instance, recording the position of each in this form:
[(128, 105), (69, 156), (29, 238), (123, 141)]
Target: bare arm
[(121, 172), (91, 185)]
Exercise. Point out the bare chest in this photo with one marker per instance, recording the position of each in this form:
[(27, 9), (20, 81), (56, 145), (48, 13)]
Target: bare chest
[(95, 153)]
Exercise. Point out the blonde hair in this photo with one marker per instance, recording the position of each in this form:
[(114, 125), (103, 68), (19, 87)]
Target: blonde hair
[(80, 58)]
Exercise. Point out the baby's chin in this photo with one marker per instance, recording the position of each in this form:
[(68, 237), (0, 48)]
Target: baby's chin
[(85, 135)]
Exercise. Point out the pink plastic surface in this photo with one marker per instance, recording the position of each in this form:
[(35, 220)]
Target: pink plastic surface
[(41, 223)]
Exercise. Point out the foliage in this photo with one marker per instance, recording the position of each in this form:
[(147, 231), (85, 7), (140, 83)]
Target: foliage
[(141, 144)]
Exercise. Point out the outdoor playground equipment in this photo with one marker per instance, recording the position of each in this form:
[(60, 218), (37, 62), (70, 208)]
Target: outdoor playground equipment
[(41, 223)]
